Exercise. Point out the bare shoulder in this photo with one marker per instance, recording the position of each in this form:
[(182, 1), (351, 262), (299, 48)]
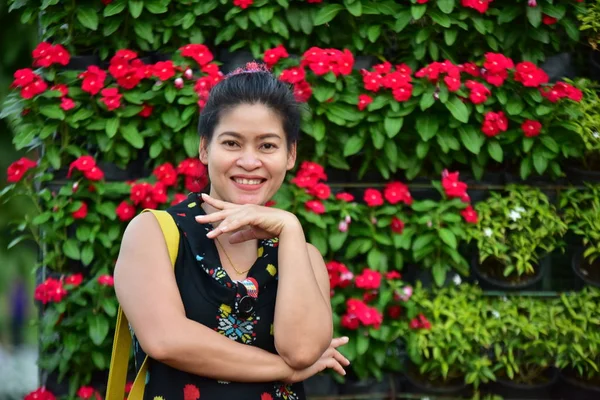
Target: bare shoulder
[(313, 252)]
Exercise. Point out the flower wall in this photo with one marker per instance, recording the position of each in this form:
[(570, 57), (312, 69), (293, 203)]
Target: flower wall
[(426, 124)]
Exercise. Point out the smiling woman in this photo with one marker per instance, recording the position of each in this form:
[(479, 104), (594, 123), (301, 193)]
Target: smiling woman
[(246, 315)]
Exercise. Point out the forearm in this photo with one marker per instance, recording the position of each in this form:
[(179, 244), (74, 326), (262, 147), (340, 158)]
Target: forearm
[(199, 350), (303, 320)]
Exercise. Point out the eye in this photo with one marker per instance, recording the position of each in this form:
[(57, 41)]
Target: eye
[(269, 146), (229, 143)]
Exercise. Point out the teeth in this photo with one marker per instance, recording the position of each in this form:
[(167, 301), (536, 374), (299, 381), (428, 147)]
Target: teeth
[(248, 181)]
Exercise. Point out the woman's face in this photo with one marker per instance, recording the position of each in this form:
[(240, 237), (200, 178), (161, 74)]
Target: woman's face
[(247, 157)]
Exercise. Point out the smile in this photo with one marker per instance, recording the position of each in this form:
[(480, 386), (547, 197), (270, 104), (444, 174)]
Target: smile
[(242, 181)]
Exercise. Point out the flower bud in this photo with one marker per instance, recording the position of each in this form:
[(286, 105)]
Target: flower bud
[(343, 226), (75, 186), (178, 83), (188, 74), (348, 219), (532, 3)]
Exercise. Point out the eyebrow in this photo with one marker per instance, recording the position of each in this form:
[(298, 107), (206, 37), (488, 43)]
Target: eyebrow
[(239, 136)]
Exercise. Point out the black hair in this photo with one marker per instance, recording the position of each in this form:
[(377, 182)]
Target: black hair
[(245, 86)]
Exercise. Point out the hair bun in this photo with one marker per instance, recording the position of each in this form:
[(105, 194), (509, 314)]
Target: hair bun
[(250, 68)]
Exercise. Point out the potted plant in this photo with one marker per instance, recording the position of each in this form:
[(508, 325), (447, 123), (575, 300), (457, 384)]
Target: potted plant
[(515, 232), (523, 347), (578, 338), (444, 341), (589, 19), (587, 169), (581, 210)]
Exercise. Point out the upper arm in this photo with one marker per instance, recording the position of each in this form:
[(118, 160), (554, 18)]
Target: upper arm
[(145, 283), (320, 271)]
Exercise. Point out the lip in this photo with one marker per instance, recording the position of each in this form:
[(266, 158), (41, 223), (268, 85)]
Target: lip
[(248, 188)]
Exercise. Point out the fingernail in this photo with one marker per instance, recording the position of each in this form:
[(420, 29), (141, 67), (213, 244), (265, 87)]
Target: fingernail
[(346, 338), (204, 195)]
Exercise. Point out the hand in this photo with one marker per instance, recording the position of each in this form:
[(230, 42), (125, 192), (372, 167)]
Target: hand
[(247, 221), (332, 358)]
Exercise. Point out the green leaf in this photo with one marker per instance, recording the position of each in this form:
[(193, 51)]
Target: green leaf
[(135, 8), (445, 6), (495, 150), (71, 249), (450, 36), (87, 254), (458, 109), (362, 344), (376, 259), (354, 7), (540, 162), (418, 10), (427, 126), (337, 239), (112, 126), (571, 28), (472, 139), (327, 13), (131, 134), (515, 106), (53, 111), (98, 328), (88, 17), (53, 156), (448, 237), (439, 273), (144, 30), (373, 33), (550, 143), (353, 145), (392, 126), (114, 8), (534, 15)]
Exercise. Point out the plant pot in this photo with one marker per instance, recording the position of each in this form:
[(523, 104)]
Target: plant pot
[(364, 62), (417, 384), (321, 385), (559, 66), (370, 386), (513, 390), (576, 388), (595, 65), (490, 275), (589, 273), (81, 63)]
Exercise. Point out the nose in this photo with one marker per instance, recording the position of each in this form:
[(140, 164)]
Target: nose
[(249, 161)]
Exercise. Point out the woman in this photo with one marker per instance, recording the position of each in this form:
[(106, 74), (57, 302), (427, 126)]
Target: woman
[(246, 315)]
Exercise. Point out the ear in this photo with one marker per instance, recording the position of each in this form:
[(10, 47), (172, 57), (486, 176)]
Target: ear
[(291, 161), (203, 150)]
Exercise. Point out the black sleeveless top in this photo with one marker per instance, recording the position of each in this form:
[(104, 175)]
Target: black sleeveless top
[(242, 311)]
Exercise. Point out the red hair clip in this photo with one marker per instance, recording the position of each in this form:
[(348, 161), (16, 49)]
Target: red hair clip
[(249, 68)]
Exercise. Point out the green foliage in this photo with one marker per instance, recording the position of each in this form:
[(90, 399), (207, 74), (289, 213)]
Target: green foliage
[(581, 212)]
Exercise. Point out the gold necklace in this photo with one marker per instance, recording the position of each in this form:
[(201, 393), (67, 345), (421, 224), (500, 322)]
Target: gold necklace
[(230, 262)]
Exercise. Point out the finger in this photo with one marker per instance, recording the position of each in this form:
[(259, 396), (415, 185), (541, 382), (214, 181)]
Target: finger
[(340, 358), (242, 235), (232, 223), (337, 342), (220, 204), (334, 365), (213, 217)]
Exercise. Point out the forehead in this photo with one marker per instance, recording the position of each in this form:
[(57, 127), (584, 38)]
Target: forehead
[(250, 120)]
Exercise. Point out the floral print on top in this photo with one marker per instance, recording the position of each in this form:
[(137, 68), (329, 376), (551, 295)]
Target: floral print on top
[(242, 311)]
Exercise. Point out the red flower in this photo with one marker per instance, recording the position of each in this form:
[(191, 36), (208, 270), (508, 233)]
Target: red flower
[(321, 191), (66, 103), (93, 80), (81, 213), (470, 68), (494, 123), (106, 280), (315, 206), (111, 98), (125, 211), (322, 61), (83, 163), (396, 79), (178, 198), (17, 169), (199, 52), (452, 82), (420, 322), (146, 111), (272, 56), (314, 169), (51, 290), (479, 5), (85, 392), (383, 68), (74, 280), (159, 193), (373, 197), (394, 312), (350, 321), (403, 93), (530, 75), (195, 184), (561, 90), (45, 54), (305, 180), (191, 392), (470, 215), (40, 394), (166, 174), (397, 225), (372, 81), (363, 101), (548, 20), (479, 92), (164, 70), (302, 91), (293, 75), (62, 88), (453, 187), (368, 279), (431, 72), (94, 174), (339, 275), (139, 191), (24, 77), (37, 86), (191, 167), (396, 192), (243, 4), (347, 197), (393, 275), (531, 128)]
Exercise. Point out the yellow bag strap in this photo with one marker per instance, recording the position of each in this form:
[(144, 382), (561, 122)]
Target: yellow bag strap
[(117, 375)]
